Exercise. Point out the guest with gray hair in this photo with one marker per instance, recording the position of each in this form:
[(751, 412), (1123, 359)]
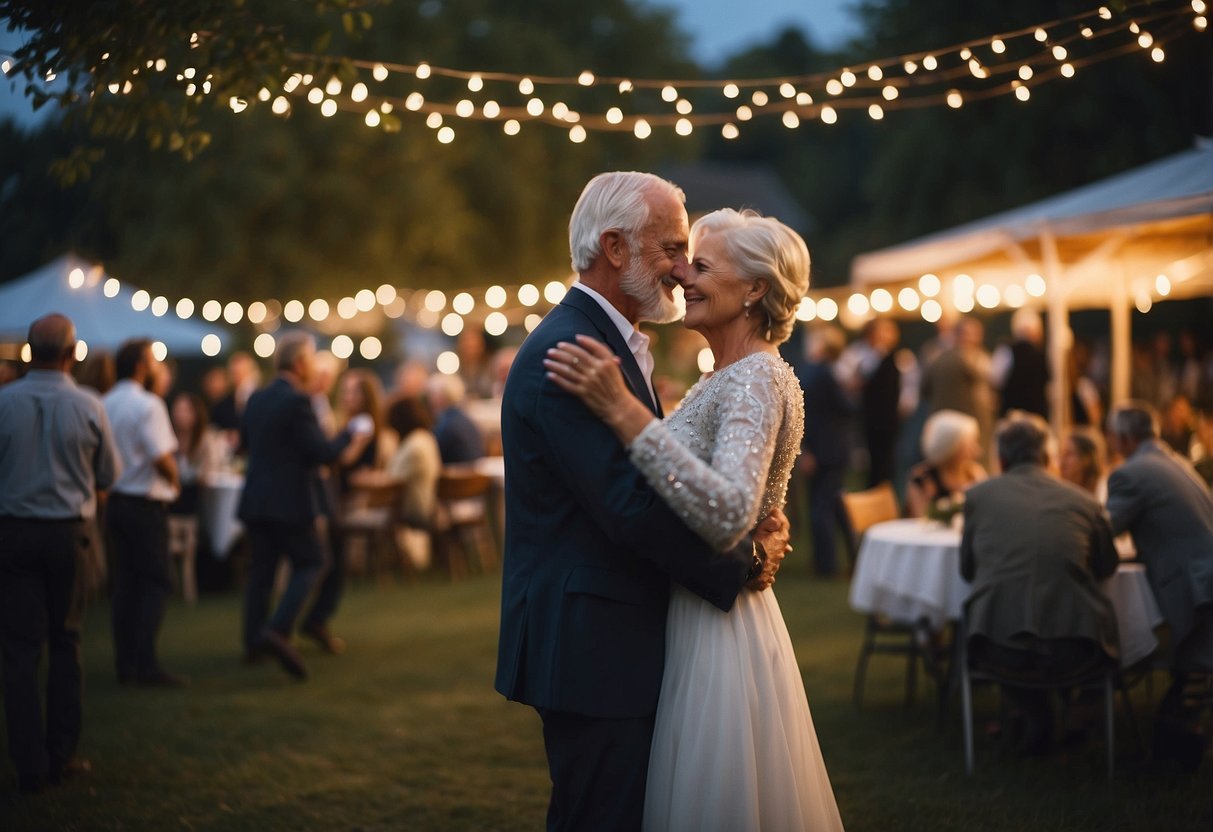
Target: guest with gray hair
[(459, 440), (281, 499), (1156, 496), (951, 443), (1035, 611)]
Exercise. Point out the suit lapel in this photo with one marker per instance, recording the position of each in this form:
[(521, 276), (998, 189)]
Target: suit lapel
[(579, 300)]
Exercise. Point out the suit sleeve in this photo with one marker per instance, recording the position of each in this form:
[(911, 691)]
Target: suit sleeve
[(317, 449), (595, 467), (1125, 501), (1104, 559)]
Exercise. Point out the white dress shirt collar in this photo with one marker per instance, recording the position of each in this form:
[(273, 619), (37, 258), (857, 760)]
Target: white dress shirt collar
[(636, 340)]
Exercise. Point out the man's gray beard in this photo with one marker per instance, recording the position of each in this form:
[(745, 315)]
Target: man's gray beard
[(654, 305)]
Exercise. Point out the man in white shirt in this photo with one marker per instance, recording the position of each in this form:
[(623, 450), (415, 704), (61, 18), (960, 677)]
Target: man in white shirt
[(137, 517)]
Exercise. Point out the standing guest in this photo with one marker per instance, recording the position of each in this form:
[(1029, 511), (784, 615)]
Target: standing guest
[(1020, 370), (1084, 460), (475, 363), (459, 439), (1033, 548), (959, 379), (823, 454), (361, 399), (1086, 402), (214, 387), (868, 368), (281, 499), (409, 380), (50, 473), (137, 516), (96, 372), (1157, 497), (243, 377)]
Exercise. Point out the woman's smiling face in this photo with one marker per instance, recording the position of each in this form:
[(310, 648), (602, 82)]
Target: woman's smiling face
[(714, 294)]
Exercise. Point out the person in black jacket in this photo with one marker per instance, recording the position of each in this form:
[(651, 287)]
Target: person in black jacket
[(825, 449), (280, 501)]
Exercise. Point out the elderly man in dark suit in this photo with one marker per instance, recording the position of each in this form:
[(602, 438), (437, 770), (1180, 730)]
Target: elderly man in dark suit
[(1156, 496), (1033, 546), (589, 547), (281, 499)]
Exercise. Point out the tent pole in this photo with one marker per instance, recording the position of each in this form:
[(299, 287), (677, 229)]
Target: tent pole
[(1122, 338), (1059, 332)]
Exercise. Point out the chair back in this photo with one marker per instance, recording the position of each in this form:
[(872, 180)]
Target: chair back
[(457, 483), (865, 509)]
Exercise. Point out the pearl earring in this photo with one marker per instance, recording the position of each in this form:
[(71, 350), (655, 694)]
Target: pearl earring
[(746, 304)]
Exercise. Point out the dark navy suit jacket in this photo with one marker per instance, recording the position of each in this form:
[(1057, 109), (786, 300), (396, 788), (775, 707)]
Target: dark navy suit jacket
[(589, 547), (285, 447)]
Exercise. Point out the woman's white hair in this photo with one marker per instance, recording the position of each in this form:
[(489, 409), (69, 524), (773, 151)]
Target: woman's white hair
[(761, 247), (612, 201), (944, 433)]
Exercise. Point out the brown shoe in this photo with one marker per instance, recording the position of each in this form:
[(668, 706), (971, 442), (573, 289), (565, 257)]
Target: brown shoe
[(73, 768), (327, 641), (281, 649)]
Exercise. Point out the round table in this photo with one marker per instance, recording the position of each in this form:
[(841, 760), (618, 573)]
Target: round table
[(910, 569)]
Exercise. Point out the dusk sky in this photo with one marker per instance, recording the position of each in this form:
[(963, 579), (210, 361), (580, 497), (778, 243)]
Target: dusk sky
[(718, 28)]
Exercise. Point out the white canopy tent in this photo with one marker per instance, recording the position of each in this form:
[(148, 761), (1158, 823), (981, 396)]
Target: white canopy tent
[(100, 321), (1132, 237)]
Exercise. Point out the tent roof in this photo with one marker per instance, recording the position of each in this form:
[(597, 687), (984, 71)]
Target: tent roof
[(1174, 187), (100, 321)]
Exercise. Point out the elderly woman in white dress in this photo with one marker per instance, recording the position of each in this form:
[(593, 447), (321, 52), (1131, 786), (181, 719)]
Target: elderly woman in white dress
[(732, 699)]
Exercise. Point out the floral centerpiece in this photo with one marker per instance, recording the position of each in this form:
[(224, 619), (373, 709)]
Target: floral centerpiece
[(946, 508)]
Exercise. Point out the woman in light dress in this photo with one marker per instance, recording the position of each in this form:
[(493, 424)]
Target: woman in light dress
[(734, 746)]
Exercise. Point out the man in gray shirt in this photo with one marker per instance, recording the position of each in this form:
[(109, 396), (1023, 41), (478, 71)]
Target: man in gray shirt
[(55, 453)]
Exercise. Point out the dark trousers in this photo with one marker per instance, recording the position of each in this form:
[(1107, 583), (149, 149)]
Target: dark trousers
[(882, 447), (598, 769), (38, 605), (328, 594), (825, 509), (269, 542), (138, 534)]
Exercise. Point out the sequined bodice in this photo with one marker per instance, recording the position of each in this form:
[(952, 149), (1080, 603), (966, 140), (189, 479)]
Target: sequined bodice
[(723, 458)]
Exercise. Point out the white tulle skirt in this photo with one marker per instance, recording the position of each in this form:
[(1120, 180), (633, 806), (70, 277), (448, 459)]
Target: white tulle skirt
[(734, 747)]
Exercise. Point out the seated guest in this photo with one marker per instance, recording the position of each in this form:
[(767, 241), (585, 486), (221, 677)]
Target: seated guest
[(1083, 461), (1033, 547), (415, 464), (951, 442), (459, 439), (1157, 497)]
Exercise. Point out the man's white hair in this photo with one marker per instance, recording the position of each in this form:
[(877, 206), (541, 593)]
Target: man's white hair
[(612, 201)]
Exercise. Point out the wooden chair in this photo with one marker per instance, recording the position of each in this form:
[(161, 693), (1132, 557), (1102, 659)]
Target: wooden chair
[(911, 639), (377, 521), (462, 525)]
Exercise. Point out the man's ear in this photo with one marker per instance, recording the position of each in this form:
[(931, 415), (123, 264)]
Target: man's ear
[(614, 247)]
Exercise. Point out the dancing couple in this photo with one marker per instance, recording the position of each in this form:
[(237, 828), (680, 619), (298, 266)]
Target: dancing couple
[(637, 616)]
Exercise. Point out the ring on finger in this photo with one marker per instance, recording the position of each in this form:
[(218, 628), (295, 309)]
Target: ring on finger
[(576, 360)]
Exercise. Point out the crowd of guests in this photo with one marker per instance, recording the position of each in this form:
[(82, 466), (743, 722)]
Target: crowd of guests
[(1132, 483), (102, 469), (877, 412)]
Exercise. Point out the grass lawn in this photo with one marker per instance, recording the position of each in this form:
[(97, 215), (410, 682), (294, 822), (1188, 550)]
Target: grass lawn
[(405, 732)]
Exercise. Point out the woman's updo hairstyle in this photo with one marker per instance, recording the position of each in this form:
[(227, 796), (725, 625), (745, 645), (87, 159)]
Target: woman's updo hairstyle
[(763, 247)]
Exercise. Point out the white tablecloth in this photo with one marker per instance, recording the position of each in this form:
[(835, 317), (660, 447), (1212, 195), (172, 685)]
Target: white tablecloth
[(910, 569), (218, 499)]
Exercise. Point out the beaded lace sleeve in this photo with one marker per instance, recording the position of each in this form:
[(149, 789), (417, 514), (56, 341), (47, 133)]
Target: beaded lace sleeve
[(720, 497)]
